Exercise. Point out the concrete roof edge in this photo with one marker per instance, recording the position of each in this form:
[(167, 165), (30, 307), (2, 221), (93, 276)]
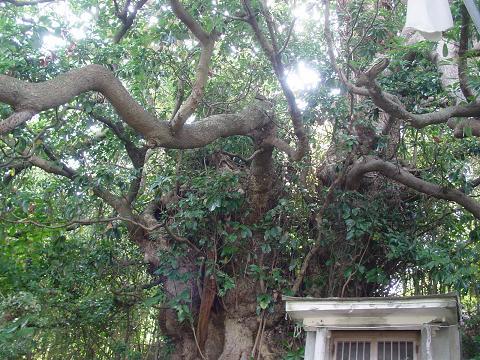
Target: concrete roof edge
[(370, 299)]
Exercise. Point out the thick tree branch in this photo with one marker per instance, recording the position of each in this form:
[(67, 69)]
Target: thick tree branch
[(190, 22), (396, 173), (15, 120), (49, 167), (37, 97), (281, 145), (462, 59), (14, 169)]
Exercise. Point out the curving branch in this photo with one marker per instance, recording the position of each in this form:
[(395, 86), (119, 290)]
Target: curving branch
[(398, 174), (56, 167), (116, 202), (127, 17), (331, 54), (138, 226), (366, 85), (191, 103), (15, 120), (33, 98), (14, 169), (270, 48), (37, 97), (207, 44), (190, 22), (462, 58), (390, 104)]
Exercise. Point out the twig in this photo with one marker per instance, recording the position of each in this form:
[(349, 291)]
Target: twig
[(207, 42), (82, 222), (354, 272), (196, 342), (287, 40), (247, 160), (126, 18), (180, 238), (270, 48), (319, 219), (258, 336)]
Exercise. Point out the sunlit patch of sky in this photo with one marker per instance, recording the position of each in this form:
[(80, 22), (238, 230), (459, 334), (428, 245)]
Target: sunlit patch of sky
[(303, 77), (95, 130), (73, 164), (52, 43), (189, 43), (191, 119), (301, 103), (335, 92), (79, 25), (305, 13), (153, 21)]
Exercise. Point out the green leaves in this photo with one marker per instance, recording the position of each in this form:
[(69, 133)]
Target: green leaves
[(224, 283), (264, 302), (154, 300), (180, 304), (213, 203), (356, 222)]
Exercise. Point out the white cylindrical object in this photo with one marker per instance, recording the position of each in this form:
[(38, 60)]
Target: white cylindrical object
[(429, 17)]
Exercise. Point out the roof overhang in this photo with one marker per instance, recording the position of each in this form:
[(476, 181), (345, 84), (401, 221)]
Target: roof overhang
[(388, 312)]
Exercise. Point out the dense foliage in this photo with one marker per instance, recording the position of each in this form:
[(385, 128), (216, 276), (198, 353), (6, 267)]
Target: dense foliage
[(75, 280)]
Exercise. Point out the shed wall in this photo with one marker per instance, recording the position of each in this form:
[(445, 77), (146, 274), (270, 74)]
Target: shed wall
[(437, 343)]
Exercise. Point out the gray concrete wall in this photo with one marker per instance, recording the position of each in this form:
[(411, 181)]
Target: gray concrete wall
[(440, 343)]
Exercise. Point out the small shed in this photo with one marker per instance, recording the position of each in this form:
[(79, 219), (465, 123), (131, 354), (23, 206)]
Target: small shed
[(388, 328)]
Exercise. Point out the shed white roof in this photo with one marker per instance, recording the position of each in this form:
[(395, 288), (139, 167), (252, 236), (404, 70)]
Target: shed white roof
[(374, 312)]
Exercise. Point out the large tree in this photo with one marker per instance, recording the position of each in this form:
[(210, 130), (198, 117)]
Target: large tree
[(241, 151)]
